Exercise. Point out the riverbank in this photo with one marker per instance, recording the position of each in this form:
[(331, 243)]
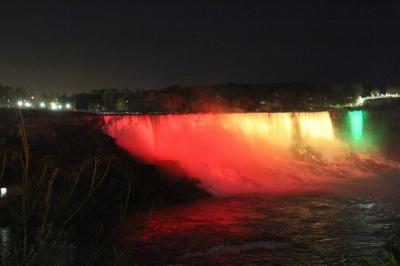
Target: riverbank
[(72, 187)]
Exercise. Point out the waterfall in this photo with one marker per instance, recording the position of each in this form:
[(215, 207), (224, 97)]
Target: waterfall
[(236, 152)]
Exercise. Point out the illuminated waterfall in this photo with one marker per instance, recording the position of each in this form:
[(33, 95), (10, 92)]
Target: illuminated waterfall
[(316, 125), (161, 137), (228, 153)]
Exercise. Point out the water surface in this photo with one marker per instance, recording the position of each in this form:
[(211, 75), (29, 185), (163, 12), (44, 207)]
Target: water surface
[(344, 226)]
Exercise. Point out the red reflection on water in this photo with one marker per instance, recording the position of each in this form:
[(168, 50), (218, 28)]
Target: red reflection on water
[(201, 218)]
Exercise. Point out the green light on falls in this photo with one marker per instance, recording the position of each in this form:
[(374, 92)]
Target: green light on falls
[(356, 121)]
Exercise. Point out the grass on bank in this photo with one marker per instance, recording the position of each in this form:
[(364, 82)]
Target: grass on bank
[(51, 205)]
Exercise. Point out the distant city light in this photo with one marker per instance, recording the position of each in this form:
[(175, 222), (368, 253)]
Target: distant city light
[(361, 100), (3, 192), (53, 106)]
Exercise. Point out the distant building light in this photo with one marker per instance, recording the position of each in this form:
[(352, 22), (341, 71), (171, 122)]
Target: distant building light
[(20, 103), (360, 100), (59, 106), (375, 95), (42, 105), (68, 106), (3, 192), (27, 104), (53, 106)]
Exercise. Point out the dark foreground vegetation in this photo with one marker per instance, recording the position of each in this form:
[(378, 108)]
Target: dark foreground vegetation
[(69, 188)]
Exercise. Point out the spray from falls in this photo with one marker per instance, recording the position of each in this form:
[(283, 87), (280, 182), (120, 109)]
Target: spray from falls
[(237, 153)]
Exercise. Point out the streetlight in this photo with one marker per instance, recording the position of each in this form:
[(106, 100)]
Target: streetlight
[(3, 192), (53, 106)]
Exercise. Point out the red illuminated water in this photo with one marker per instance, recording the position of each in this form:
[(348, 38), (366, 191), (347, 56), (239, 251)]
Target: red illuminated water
[(243, 153), (295, 229)]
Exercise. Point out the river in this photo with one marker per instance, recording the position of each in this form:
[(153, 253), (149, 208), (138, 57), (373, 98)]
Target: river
[(345, 225)]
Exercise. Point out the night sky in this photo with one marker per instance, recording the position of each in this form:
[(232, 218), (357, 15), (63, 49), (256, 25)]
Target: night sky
[(148, 44)]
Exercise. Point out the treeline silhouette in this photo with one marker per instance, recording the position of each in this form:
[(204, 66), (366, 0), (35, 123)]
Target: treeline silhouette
[(226, 97)]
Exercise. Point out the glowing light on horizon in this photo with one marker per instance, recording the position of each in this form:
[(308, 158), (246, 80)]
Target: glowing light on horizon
[(3, 192), (53, 106), (361, 100)]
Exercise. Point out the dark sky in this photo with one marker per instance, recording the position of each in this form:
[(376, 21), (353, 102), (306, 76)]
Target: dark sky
[(148, 44)]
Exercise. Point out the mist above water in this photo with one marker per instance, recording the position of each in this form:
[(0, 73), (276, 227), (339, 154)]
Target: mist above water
[(244, 153)]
